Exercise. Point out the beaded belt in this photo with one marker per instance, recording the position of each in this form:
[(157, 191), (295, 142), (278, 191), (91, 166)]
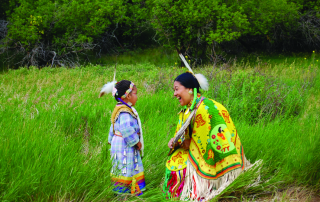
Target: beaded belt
[(117, 133)]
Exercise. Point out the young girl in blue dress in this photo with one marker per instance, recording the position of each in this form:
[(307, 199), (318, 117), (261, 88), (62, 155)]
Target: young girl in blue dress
[(125, 138)]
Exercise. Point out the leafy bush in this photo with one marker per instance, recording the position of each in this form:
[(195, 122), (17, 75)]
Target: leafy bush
[(57, 31), (195, 26), (44, 32)]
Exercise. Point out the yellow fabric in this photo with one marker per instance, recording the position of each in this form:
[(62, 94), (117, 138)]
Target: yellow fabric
[(178, 160), (135, 186), (117, 110), (127, 180), (215, 147)]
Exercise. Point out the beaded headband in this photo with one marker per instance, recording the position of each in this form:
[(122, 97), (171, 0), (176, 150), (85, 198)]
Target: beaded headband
[(128, 91), (115, 91)]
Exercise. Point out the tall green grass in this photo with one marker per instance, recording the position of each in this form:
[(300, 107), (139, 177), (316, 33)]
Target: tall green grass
[(159, 57), (54, 128)]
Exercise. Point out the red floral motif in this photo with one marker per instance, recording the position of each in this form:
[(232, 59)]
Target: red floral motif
[(199, 121), (210, 154), (178, 156), (180, 161), (218, 147), (226, 116), (203, 151), (224, 149), (213, 137), (210, 116)]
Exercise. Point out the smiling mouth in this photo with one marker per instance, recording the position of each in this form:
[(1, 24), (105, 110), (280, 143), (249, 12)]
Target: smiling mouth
[(179, 98)]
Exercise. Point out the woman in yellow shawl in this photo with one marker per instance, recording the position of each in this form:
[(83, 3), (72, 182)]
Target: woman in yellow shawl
[(210, 155)]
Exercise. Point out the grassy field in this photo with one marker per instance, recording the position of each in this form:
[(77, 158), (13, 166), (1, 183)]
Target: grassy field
[(54, 128)]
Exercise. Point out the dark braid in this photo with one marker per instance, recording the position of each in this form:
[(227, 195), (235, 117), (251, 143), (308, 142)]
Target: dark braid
[(122, 87)]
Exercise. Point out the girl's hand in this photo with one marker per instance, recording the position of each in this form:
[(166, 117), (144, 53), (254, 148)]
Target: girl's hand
[(138, 145), (170, 143)]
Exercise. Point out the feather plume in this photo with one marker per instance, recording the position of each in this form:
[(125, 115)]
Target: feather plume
[(185, 63), (202, 81), (107, 88)]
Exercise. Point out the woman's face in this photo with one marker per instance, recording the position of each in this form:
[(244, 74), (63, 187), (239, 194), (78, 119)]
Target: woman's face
[(182, 93)]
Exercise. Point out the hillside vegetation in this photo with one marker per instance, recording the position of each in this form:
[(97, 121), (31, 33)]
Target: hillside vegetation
[(67, 33), (54, 128)]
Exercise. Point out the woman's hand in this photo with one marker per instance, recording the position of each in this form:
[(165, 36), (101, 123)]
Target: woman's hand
[(170, 143), (138, 145), (186, 144)]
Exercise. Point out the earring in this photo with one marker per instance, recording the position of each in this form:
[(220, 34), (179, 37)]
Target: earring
[(190, 92)]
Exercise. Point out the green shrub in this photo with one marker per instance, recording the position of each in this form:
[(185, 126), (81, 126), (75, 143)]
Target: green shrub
[(195, 26), (46, 30)]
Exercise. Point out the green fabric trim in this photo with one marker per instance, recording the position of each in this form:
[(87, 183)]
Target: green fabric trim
[(214, 112), (206, 174), (165, 189), (217, 156), (215, 120)]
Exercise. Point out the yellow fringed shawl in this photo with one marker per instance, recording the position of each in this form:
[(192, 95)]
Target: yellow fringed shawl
[(215, 147)]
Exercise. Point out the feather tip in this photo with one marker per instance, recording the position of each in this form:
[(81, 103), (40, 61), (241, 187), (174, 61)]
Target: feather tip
[(107, 88), (203, 81)]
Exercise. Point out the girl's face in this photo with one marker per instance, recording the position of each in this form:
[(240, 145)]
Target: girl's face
[(182, 93), (132, 97)]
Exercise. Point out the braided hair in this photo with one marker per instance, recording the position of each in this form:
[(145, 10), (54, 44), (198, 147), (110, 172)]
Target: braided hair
[(122, 86), (188, 80)]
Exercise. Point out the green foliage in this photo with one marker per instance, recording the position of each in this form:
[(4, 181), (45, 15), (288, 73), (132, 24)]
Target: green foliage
[(307, 5), (61, 22), (44, 30), (188, 24)]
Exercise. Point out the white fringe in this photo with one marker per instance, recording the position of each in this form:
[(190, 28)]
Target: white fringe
[(141, 135), (107, 88), (203, 81), (208, 189)]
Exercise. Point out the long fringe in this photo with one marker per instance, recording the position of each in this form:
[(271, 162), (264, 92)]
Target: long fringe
[(198, 188), (141, 134), (174, 183)]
